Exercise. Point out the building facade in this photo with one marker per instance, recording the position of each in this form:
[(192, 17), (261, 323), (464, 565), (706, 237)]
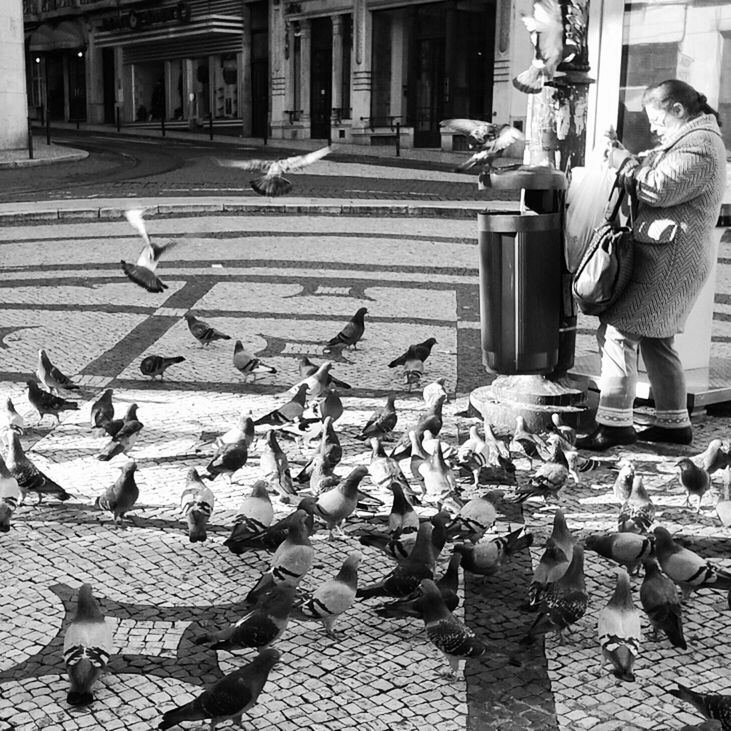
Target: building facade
[(357, 71)]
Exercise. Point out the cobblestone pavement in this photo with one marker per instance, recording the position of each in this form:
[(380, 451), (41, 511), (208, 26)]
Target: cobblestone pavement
[(283, 285)]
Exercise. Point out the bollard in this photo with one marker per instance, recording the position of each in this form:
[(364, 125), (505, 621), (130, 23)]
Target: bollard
[(210, 125), (116, 115), (48, 128), (78, 124), (398, 139), (30, 139), (162, 125)]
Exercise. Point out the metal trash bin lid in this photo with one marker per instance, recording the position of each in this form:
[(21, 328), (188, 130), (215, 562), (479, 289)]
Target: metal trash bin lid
[(529, 177)]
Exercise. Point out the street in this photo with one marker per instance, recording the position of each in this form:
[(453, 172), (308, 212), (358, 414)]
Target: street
[(284, 282)]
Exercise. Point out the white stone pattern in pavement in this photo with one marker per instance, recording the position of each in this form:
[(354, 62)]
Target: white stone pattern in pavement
[(158, 589)]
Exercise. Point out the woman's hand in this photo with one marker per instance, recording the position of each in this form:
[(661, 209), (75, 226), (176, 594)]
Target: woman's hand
[(616, 155)]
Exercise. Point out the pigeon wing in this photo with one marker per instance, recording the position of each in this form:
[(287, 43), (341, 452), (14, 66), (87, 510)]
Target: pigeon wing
[(297, 162), (255, 164), (134, 216)]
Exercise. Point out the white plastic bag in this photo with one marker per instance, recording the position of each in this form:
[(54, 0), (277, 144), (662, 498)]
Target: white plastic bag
[(586, 201)]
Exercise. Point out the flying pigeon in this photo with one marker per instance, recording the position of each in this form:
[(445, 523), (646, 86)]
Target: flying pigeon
[(491, 151), (273, 183), (478, 133), (143, 271)]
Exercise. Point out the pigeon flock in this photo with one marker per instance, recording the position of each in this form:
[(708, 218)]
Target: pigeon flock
[(429, 505)]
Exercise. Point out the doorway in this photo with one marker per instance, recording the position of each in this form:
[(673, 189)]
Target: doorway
[(321, 78)]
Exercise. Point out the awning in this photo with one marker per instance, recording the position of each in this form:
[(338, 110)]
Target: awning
[(66, 35)]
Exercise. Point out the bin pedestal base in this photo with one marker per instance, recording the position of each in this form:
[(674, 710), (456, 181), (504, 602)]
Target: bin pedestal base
[(534, 398)]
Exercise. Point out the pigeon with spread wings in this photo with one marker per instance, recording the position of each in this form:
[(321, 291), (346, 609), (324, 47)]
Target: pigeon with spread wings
[(143, 271), (478, 133), (493, 149), (273, 182)]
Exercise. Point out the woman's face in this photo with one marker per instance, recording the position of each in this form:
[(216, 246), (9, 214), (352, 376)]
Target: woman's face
[(664, 121)]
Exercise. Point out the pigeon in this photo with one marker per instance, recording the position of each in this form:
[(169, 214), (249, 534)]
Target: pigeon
[(260, 628), (292, 559), (307, 368), (546, 33), (417, 458), (10, 418), (113, 426), (439, 480), (274, 464), (87, 647), (196, 506), (695, 480), (317, 382), (228, 698), (709, 705), (447, 633), (102, 410), (554, 561), (381, 422), (659, 598), (142, 272), (248, 365), (332, 598), (478, 133), (51, 377), (714, 458), (686, 568), (619, 630), (402, 518), (45, 402), (9, 496), (548, 480), (566, 432), (564, 602), (627, 549), (638, 512), (486, 558), (418, 351), (29, 477), (413, 371), (202, 331), (430, 420), (273, 183), (255, 515), (329, 448), (723, 507), (475, 454), (322, 477), (495, 444), (405, 578), (156, 365), (122, 441), (243, 432), (272, 537), (336, 505), (475, 518), (229, 459), (351, 333), (331, 406), (120, 497), (288, 412), (448, 586), (530, 444), (491, 151), (384, 470), (622, 487), (433, 391)]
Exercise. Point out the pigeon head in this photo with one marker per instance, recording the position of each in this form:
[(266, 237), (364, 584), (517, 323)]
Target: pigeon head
[(189, 316), (5, 512), (259, 489)]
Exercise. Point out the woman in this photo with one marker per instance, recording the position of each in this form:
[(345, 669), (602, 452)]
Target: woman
[(678, 188)]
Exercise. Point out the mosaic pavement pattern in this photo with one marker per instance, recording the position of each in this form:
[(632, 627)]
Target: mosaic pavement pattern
[(284, 285)]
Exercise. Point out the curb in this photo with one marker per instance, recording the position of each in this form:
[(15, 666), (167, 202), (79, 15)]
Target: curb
[(74, 156), (170, 209)]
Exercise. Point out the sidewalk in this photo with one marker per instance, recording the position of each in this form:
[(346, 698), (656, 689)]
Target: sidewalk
[(43, 154)]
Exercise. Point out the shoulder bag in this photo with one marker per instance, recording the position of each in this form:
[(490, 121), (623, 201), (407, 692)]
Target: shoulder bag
[(606, 266)]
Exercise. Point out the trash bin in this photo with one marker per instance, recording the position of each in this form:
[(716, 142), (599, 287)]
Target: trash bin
[(521, 261)]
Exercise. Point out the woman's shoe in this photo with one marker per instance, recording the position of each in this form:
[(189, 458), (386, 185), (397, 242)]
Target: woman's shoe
[(605, 437), (682, 435)]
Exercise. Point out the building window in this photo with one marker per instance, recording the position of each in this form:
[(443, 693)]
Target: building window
[(381, 67), (666, 40)]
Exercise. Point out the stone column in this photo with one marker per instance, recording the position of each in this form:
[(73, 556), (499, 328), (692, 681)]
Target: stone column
[(245, 98), (362, 38), (13, 95), (279, 67), (94, 83), (305, 71), (337, 67), (398, 56)]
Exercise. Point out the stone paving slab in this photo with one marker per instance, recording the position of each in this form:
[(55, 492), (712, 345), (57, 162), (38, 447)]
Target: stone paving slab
[(158, 590)]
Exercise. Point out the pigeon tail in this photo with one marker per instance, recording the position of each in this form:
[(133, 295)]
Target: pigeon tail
[(530, 81), (78, 698), (189, 712), (271, 186)]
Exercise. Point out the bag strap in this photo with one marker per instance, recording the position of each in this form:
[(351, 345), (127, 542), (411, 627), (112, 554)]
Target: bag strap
[(612, 209)]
